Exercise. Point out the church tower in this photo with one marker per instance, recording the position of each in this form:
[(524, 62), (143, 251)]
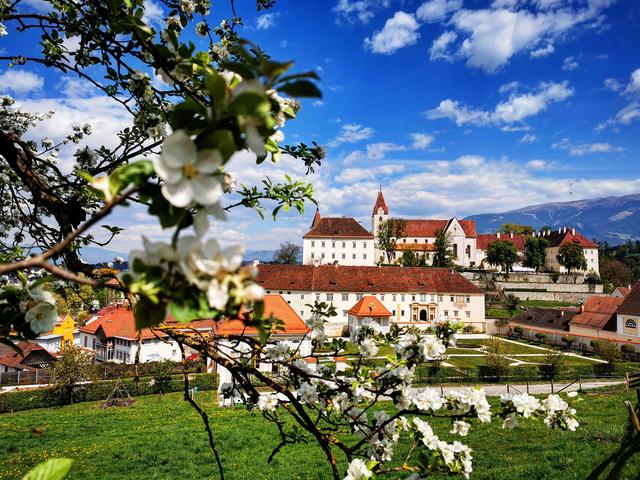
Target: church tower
[(380, 213)]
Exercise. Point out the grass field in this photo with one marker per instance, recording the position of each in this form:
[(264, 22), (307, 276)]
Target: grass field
[(162, 438)]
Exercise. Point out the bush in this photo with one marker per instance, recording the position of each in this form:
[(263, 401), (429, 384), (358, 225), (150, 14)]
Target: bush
[(540, 336), (518, 330), (554, 276), (607, 350), (553, 363), (468, 329), (97, 391), (568, 340)]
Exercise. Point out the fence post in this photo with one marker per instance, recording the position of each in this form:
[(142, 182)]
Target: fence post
[(527, 383), (580, 384), (18, 382), (441, 391), (37, 375), (507, 388), (0, 378), (552, 385)]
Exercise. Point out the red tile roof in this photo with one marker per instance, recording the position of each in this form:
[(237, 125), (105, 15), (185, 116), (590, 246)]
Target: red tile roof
[(316, 219), (631, 303), (10, 358), (336, 278), (416, 247), (558, 239), (380, 203), (274, 306), (428, 228), (484, 239), (338, 227), (624, 291), (369, 306), (547, 317), (599, 313), (117, 321)]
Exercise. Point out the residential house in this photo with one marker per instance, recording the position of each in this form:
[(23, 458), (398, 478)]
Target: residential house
[(30, 358), (369, 308), (64, 334)]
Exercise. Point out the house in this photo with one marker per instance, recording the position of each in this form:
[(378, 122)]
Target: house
[(419, 236), (31, 358), (64, 334), (564, 236), (369, 308), (547, 320), (485, 239), (628, 314), (337, 240), (112, 335), (621, 292), (413, 295)]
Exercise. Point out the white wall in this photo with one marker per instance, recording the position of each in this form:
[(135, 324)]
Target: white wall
[(326, 251), (397, 303)]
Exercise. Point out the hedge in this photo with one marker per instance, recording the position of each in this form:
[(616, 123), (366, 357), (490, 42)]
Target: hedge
[(97, 391)]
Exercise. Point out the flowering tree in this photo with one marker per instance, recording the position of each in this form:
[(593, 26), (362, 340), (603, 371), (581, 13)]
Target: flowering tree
[(176, 159)]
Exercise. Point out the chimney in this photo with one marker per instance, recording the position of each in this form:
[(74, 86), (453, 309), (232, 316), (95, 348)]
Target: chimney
[(582, 308), (548, 232), (511, 234), (559, 229), (573, 231), (498, 235), (561, 313)]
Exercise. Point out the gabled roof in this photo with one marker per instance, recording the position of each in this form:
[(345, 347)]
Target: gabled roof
[(484, 239), (117, 321), (369, 306), (631, 303), (274, 306), (380, 203), (338, 227), (10, 358), (547, 317), (598, 313), (336, 278), (428, 228), (621, 291), (567, 235)]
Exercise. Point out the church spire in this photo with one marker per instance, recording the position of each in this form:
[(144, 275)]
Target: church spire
[(380, 203), (316, 218)]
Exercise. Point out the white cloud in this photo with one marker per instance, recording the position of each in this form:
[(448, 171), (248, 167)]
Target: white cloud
[(494, 35), (528, 138), (352, 133), (545, 51), (579, 150), (421, 141), (634, 82), (377, 151), (436, 10), (38, 5), (515, 109), (361, 11), (266, 21), (357, 174), (20, 81), (440, 47), (399, 31), (539, 164), (318, 103), (153, 14), (569, 64), (631, 112), (613, 85)]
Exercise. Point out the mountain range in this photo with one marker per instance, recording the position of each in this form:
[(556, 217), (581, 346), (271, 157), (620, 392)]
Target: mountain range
[(611, 219)]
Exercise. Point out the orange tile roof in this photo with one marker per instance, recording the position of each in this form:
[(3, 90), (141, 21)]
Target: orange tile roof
[(336, 278), (117, 321), (274, 306), (599, 313), (338, 227), (369, 306), (428, 228), (624, 291), (416, 247), (558, 239)]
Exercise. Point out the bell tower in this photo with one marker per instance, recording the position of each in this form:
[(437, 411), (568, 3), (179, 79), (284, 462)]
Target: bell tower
[(380, 213)]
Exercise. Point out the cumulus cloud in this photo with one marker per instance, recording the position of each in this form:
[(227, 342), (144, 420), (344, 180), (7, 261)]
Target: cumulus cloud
[(515, 109), (377, 151), (440, 48), (266, 21), (20, 81), (545, 51), (361, 11), (437, 10), (357, 174), (579, 150), (399, 31), (351, 133), (539, 164), (421, 141)]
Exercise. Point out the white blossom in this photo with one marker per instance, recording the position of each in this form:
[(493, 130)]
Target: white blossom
[(358, 470), (428, 399), (307, 393), (368, 348), (278, 352), (3, 30), (41, 318), (202, 29), (461, 428), (187, 172), (268, 402)]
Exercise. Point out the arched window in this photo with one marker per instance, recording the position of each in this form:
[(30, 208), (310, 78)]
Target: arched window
[(630, 324)]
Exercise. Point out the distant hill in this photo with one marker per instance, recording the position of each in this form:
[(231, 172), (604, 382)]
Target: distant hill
[(614, 219), (264, 255)]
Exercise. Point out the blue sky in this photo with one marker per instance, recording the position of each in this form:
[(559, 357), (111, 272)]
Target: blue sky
[(454, 107)]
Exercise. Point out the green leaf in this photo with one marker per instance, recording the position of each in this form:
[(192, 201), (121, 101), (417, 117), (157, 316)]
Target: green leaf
[(301, 88), (251, 104), (53, 469), (240, 69), (217, 87), (183, 310), (148, 314), (220, 139)]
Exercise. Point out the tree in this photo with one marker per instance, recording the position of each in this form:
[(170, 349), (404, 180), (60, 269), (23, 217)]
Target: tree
[(287, 254), (571, 256), (545, 228), (72, 367), (227, 98), (443, 255), (516, 228), (615, 274), (609, 351), (535, 252), (388, 234), (408, 259), (512, 302), (554, 361), (496, 357), (502, 252)]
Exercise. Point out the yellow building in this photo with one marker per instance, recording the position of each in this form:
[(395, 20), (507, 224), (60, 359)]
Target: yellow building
[(61, 336)]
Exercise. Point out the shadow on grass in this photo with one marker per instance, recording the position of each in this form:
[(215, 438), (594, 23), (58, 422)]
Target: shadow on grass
[(629, 446)]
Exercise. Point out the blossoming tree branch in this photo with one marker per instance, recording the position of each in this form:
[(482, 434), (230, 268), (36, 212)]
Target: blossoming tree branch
[(176, 158)]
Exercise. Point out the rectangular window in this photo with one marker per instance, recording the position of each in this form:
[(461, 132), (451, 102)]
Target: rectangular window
[(333, 244), (344, 313), (413, 298), (313, 255), (323, 255), (382, 297), (317, 297), (358, 296), (345, 297), (467, 314), (452, 299), (394, 312), (433, 298), (302, 296), (344, 256), (446, 313), (402, 313), (415, 240), (423, 297), (333, 256), (439, 298), (302, 313), (402, 299), (354, 244), (404, 240), (354, 256), (85, 342), (322, 244), (364, 244), (313, 244), (455, 313), (364, 255), (329, 297), (344, 244), (467, 299), (393, 298), (268, 291)]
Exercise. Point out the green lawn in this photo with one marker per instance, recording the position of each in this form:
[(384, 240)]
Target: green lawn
[(163, 439)]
